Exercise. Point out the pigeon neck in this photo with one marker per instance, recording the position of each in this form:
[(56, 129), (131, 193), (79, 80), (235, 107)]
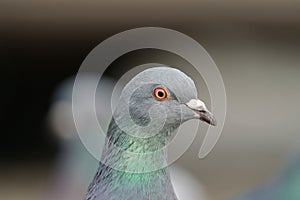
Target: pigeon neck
[(132, 168), (113, 184), (131, 154)]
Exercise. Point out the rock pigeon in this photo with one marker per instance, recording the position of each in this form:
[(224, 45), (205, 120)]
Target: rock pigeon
[(151, 107), (284, 186), (75, 166)]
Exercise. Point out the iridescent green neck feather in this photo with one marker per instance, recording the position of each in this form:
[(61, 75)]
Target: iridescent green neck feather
[(122, 176)]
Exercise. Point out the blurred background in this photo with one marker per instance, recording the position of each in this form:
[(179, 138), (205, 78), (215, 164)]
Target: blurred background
[(255, 45)]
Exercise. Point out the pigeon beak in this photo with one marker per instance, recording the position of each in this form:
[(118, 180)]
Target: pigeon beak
[(202, 112)]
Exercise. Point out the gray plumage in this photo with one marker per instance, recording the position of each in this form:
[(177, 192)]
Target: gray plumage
[(133, 159)]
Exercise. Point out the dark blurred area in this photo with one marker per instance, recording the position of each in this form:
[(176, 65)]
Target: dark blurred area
[(255, 44)]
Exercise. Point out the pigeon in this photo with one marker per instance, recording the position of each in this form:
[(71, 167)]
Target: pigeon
[(75, 166), (151, 107), (284, 186)]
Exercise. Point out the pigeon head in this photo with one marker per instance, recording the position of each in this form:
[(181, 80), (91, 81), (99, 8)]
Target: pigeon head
[(158, 100), (151, 106)]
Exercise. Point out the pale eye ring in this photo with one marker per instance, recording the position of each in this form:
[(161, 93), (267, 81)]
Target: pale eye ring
[(160, 93)]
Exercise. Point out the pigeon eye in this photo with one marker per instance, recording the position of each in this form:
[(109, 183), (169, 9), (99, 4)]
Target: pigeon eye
[(160, 93)]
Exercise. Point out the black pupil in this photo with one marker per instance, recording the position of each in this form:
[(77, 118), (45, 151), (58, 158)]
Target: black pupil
[(160, 93)]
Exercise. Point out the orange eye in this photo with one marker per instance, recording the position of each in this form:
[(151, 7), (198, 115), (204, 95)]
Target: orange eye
[(160, 93)]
